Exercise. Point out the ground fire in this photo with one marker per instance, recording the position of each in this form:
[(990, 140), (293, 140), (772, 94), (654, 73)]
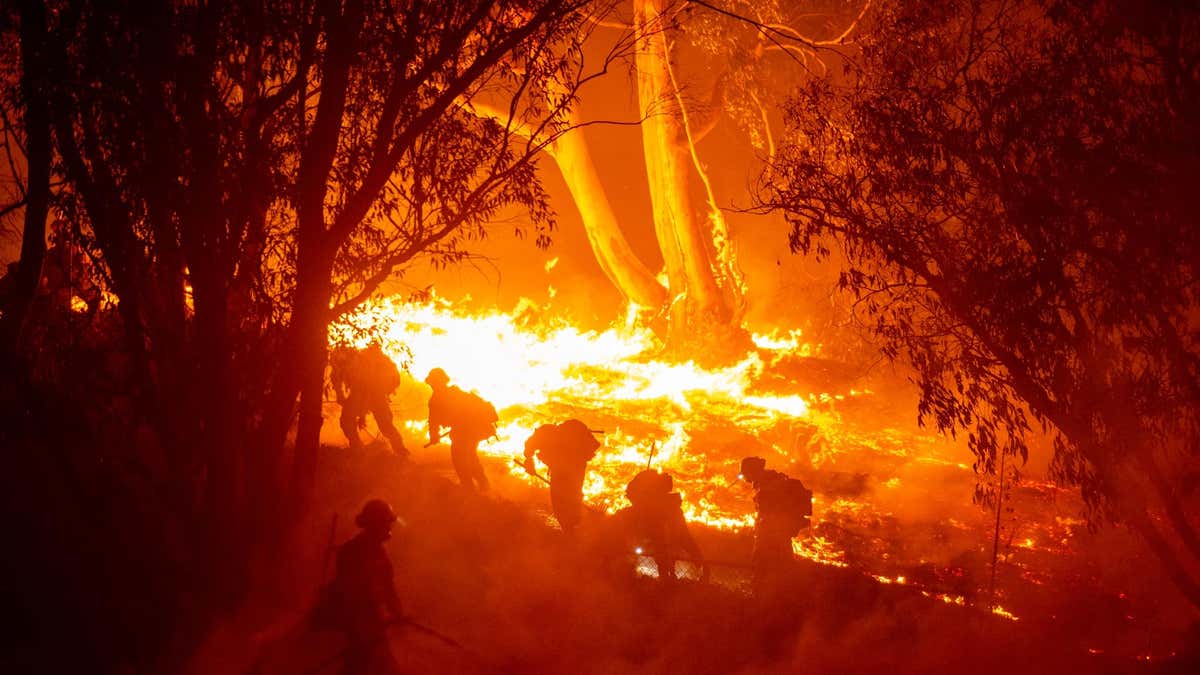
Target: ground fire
[(592, 337), (698, 423)]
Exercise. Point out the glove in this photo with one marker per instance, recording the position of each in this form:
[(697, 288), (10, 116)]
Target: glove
[(529, 467)]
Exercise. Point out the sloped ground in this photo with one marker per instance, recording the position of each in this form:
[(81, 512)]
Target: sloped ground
[(490, 572)]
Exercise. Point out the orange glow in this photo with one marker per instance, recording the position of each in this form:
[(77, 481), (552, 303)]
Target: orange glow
[(611, 379), (655, 412), (1000, 611)]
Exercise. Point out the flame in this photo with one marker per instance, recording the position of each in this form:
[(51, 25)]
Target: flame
[(655, 413), (1000, 611), (536, 374)]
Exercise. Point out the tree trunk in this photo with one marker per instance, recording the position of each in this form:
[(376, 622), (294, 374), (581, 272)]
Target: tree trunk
[(719, 244), (308, 431), (698, 305), (37, 185), (612, 251), (220, 442), (996, 532), (310, 326)]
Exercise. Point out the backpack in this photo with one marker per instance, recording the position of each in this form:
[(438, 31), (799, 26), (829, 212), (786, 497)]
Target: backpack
[(574, 436), (380, 370), (478, 411), (799, 503)]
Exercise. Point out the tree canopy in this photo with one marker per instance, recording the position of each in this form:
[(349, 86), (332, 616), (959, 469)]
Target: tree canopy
[(241, 173), (1012, 185)]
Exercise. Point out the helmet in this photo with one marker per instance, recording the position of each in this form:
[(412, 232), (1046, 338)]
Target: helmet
[(541, 437), (648, 486), (751, 466), (579, 434), (375, 514), (437, 377)]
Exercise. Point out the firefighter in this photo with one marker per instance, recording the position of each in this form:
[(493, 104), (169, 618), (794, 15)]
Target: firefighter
[(361, 601), (565, 449), (471, 420), (655, 519), (362, 382), (783, 506)]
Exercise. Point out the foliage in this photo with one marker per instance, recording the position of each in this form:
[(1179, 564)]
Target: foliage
[(759, 50), (1011, 184), (243, 172)]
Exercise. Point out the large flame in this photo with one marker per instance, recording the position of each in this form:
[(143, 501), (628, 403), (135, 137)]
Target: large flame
[(693, 422), (647, 407)]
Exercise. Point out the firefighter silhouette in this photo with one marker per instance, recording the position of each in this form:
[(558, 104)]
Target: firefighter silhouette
[(471, 420), (655, 521), (361, 601), (363, 380), (565, 449), (784, 506)]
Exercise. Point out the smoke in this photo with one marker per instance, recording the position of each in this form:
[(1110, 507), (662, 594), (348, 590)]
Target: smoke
[(521, 597)]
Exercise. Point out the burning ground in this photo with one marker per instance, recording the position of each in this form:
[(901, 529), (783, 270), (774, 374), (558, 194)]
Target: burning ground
[(892, 502), (489, 573)]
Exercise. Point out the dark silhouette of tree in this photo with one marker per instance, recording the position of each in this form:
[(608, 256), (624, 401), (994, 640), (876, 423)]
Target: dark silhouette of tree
[(1012, 184), (27, 141), (243, 173)]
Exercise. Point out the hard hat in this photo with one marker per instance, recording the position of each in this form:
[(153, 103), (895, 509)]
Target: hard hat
[(577, 427), (751, 465), (375, 514), (436, 377), (540, 437)]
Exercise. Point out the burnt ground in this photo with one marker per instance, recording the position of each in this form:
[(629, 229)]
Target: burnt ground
[(492, 573)]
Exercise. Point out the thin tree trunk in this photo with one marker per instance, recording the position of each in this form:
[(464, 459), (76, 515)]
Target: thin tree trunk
[(310, 327), (648, 96), (720, 245), (308, 430), (996, 532), (37, 188)]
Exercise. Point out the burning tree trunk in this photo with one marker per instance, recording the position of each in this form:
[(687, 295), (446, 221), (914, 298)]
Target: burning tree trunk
[(617, 260), (697, 298), (612, 251), (706, 289)]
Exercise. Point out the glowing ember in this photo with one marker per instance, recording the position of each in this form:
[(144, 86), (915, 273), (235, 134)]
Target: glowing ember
[(1000, 611), (948, 599)]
